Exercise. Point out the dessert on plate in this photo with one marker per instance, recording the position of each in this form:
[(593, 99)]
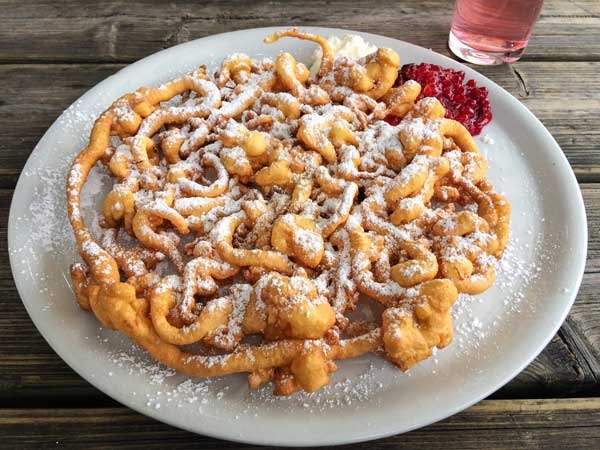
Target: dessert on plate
[(255, 211)]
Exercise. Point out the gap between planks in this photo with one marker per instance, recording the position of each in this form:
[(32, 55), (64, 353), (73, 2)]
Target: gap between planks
[(500, 424)]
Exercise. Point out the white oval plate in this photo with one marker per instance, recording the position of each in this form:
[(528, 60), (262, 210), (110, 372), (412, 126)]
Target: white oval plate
[(496, 334)]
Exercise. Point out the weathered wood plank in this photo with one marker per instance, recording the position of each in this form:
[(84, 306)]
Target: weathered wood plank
[(40, 93), (47, 31), (591, 196), (567, 111), (565, 46), (33, 97), (502, 424), (584, 322)]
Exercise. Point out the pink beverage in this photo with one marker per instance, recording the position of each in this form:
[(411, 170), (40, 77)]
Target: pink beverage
[(492, 31)]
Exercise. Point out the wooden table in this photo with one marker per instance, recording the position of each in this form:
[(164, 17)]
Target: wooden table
[(52, 52)]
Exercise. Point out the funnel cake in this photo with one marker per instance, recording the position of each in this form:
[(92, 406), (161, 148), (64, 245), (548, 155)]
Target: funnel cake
[(275, 204)]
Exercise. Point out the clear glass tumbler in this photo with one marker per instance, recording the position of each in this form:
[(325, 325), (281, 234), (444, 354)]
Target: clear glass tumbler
[(492, 31)]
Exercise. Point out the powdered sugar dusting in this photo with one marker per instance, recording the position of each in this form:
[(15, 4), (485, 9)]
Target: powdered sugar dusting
[(357, 385), (516, 275), (48, 213)]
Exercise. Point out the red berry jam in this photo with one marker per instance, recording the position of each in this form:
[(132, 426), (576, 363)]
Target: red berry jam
[(464, 102)]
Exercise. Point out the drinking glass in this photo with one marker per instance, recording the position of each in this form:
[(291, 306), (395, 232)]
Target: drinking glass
[(492, 31)]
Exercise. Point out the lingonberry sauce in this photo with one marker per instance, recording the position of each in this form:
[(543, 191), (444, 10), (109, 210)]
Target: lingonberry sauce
[(464, 102)]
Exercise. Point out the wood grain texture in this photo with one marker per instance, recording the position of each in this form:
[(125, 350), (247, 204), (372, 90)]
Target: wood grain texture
[(33, 98), (41, 92), (52, 52), (591, 195), (115, 31), (497, 424)]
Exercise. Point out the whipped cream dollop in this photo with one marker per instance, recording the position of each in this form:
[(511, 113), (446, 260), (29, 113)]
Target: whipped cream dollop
[(350, 45)]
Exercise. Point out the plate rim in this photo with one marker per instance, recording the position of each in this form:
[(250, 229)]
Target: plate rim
[(365, 435)]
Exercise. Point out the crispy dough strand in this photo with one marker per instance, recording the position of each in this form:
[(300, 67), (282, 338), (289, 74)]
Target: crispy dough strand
[(102, 266), (328, 56)]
